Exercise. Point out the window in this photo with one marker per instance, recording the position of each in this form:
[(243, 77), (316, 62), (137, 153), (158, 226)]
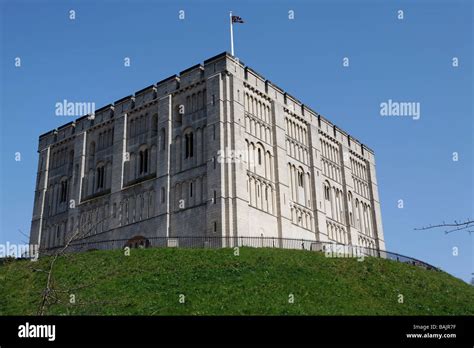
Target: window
[(300, 179), (143, 161), (189, 150), (63, 194), (259, 152), (162, 195), (190, 189), (215, 197), (100, 177), (326, 192)]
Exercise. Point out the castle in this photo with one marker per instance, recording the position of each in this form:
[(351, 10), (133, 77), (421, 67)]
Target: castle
[(216, 151)]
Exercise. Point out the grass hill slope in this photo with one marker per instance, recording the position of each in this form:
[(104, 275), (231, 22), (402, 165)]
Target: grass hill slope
[(216, 282)]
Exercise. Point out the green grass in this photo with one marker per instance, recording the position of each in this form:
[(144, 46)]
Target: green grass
[(215, 282)]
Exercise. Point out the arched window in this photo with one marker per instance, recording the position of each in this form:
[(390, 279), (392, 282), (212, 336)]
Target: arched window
[(259, 153), (100, 175), (189, 145), (300, 179), (143, 161), (63, 193), (326, 192)]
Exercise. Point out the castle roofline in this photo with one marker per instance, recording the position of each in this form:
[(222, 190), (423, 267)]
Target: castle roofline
[(201, 67), (172, 77), (144, 89), (197, 66)]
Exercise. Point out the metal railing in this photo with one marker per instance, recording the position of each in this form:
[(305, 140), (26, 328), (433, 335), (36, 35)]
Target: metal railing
[(331, 249)]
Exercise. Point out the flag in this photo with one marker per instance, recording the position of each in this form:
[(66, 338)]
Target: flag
[(237, 19)]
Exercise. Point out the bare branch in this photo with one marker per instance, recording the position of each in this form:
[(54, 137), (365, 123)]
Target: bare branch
[(458, 226), (49, 292)]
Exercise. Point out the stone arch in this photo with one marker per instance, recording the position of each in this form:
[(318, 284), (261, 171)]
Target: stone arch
[(143, 160), (189, 143), (138, 242), (268, 165)]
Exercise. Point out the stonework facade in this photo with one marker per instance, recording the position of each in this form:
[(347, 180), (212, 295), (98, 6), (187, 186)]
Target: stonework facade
[(215, 151)]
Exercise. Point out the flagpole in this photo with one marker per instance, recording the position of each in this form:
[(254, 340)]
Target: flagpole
[(231, 35)]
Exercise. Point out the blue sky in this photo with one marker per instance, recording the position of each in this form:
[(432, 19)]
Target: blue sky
[(403, 60)]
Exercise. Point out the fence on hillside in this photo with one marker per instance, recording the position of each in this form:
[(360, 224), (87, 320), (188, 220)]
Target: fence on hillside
[(329, 248)]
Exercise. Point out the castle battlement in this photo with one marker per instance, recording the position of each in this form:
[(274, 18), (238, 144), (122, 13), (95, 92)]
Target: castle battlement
[(220, 63)]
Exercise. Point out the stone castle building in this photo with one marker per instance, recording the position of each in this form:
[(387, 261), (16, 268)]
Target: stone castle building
[(216, 151)]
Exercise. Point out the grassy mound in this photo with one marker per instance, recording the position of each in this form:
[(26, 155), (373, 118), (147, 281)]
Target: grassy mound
[(216, 282)]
